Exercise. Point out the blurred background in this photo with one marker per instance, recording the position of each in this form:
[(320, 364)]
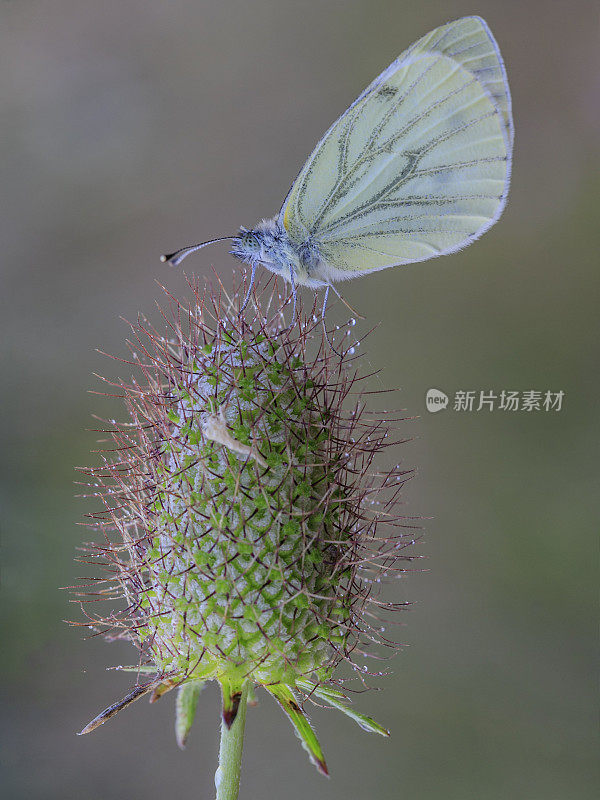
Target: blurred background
[(130, 129)]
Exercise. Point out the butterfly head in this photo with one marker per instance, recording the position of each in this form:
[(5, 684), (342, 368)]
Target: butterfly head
[(266, 244), (248, 246)]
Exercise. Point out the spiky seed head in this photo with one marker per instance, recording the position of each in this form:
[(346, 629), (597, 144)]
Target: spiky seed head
[(244, 500)]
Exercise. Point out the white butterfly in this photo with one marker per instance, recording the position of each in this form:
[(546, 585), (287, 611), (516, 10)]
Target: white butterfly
[(417, 167)]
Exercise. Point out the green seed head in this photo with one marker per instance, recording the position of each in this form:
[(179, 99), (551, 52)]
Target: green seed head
[(242, 507), (245, 570)]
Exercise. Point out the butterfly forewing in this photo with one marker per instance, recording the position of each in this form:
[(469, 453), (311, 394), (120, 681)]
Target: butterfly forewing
[(418, 165), (469, 42)]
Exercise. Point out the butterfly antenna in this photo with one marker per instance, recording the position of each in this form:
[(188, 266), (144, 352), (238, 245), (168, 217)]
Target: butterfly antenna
[(174, 259), (245, 303), (345, 302)]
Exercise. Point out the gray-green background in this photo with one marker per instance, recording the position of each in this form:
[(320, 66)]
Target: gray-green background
[(131, 127)]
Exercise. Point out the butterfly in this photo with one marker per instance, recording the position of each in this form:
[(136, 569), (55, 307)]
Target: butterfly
[(417, 167)]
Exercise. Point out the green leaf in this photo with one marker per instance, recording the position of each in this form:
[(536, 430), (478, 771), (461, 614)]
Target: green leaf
[(108, 713), (185, 709), (335, 699), (161, 689), (286, 699)]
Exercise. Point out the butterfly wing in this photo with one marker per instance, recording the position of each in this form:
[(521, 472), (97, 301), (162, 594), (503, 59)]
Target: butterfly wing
[(418, 166)]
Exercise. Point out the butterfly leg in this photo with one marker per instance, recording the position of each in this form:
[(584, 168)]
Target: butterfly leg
[(327, 339), (325, 296), (247, 298), (294, 294), (345, 302)]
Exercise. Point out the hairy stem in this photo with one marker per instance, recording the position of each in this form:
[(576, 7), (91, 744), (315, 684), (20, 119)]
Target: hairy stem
[(227, 777)]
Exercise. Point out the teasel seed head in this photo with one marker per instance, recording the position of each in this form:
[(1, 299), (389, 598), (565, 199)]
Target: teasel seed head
[(245, 524)]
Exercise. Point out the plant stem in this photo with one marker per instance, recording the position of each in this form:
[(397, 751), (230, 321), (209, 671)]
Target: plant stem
[(227, 777)]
